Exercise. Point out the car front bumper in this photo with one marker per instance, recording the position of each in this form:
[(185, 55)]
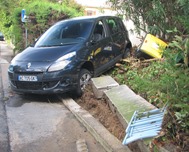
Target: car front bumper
[(48, 83)]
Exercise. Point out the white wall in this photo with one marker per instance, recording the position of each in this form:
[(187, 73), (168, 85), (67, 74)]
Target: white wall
[(135, 38)]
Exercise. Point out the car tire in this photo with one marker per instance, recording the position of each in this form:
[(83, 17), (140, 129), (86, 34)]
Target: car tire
[(138, 53), (141, 55), (127, 52), (83, 79)]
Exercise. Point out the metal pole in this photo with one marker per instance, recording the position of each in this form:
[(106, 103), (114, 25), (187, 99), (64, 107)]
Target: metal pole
[(26, 32)]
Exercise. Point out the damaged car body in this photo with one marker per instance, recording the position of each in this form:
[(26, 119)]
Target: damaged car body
[(68, 54)]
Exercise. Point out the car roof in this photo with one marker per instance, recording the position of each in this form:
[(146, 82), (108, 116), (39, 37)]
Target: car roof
[(92, 18)]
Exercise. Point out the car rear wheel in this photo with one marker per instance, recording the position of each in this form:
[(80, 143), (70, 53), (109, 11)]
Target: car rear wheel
[(83, 81), (127, 52)]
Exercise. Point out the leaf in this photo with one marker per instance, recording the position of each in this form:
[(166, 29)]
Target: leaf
[(169, 31), (178, 38), (179, 56), (176, 44), (186, 45), (180, 105)]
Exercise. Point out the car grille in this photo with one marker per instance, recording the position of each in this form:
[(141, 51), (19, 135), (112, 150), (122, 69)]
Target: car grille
[(34, 85), (29, 85), (10, 76)]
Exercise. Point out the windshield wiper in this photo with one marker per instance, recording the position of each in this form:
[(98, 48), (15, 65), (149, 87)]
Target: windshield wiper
[(45, 45), (62, 44)]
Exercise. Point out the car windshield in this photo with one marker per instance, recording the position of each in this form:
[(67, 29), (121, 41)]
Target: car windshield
[(65, 33)]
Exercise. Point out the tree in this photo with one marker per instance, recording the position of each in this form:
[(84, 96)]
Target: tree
[(155, 16)]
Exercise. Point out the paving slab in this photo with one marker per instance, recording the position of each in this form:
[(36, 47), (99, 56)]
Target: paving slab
[(126, 102), (101, 84)]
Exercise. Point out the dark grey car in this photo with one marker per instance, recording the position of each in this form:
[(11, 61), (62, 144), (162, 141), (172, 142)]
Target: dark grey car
[(1, 37), (68, 54)]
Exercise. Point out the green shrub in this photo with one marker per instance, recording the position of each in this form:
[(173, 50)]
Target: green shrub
[(42, 14)]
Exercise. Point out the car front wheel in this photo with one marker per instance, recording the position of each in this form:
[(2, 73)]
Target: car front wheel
[(83, 80)]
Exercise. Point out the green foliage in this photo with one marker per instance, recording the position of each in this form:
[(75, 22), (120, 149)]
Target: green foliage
[(178, 49), (16, 31), (155, 16)]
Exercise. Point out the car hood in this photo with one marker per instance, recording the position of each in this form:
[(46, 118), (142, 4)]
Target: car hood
[(45, 54)]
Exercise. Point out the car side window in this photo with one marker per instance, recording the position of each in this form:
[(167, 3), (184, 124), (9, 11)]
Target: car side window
[(113, 26), (99, 32), (122, 26)]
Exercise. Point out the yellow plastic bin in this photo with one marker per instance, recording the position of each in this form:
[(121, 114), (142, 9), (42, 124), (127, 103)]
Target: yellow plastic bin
[(153, 46)]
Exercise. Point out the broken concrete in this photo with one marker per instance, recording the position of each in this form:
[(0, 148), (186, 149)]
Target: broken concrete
[(102, 84)]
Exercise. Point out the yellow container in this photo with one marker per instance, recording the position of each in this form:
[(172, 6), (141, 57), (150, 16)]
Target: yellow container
[(153, 46)]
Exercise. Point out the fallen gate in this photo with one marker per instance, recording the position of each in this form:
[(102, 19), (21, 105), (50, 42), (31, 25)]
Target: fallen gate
[(144, 125)]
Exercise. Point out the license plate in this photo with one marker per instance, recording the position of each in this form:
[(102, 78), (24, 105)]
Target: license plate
[(27, 78)]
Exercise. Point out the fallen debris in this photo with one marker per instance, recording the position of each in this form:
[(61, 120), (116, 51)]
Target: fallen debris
[(144, 125)]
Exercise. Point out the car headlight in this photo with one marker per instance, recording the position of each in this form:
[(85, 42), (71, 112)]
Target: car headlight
[(10, 68), (62, 62)]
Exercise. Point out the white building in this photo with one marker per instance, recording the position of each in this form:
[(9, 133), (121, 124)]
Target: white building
[(96, 7)]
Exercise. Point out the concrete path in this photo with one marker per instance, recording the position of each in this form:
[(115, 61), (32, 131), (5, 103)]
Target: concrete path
[(37, 126), (5, 57)]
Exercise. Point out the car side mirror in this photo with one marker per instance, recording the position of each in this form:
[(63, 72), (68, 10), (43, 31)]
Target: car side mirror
[(92, 41), (32, 45), (36, 39)]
